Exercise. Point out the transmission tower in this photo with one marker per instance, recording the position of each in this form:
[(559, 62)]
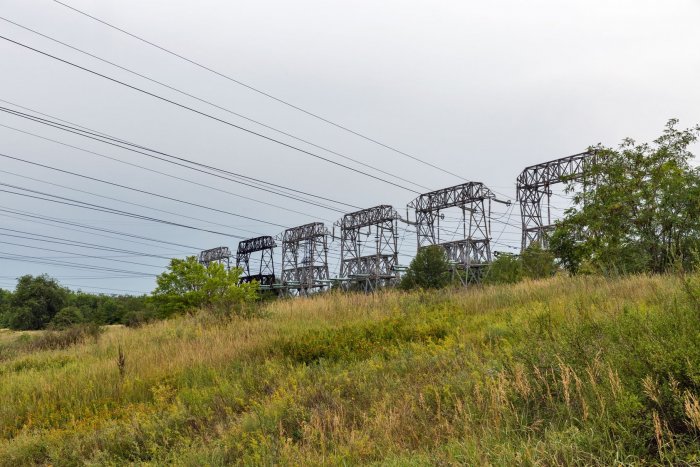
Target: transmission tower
[(534, 187), (471, 252), (305, 258), (266, 272), (369, 266), (216, 255)]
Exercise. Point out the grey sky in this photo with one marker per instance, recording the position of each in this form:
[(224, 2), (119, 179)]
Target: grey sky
[(479, 88)]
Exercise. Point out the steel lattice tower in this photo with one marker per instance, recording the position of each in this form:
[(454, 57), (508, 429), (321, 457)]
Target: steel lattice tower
[(473, 199), (371, 266), (220, 254), (305, 258), (246, 248), (534, 186)]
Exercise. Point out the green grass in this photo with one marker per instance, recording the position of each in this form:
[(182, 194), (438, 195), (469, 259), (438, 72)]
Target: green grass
[(564, 371)]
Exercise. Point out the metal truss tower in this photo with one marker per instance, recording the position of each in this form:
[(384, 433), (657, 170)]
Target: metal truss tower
[(216, 255), (370, 262), (246, 248), (534, 186), (305, 258), (473, 250)]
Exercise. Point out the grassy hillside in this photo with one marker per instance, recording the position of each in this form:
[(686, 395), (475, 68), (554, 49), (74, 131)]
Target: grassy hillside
[(581, 370)]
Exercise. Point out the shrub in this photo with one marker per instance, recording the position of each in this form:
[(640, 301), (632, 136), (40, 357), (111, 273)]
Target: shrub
[(506, 269), (428, 270), (65, 338), (538, 263)]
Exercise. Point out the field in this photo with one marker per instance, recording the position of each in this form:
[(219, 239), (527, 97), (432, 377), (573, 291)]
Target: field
[(563, 371)]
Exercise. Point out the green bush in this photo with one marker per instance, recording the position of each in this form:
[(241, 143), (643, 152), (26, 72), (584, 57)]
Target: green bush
[(505, 269), (428, 270)]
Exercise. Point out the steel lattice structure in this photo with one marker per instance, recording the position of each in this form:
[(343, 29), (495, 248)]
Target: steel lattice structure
[(370, 266), (220, 254), (473, 250), (246, 248), (533, 186), (305, 258)]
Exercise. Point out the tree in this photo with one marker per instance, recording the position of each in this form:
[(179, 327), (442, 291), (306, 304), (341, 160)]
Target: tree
[(429, 269), (505, 269), (537, 263), (67, 317), (35, 302), (641, 211), (189, 285)]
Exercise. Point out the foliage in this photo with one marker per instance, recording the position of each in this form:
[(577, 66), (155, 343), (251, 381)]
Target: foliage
[(564, 371), (505, 269), (189, 285), (640, 210), (80, 306), (428, 270), (67, 317), (34, 302), (537, 263)]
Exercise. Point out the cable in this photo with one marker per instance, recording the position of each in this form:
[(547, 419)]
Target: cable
[(108, 210), (268, 95), (172, 88), (33, 259), (74, 243), (79, 255), (157, 171), (141, 191), (204, 114), (96, 136), (34, 216)]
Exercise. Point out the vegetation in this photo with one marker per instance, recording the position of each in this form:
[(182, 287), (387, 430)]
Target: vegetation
[(639, 210), (580, 370), (40, 302), (188, 285), (428, 270)]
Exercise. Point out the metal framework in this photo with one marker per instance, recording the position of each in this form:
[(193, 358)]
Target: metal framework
[(220, 254), (473, 250), (246, 248), (305, 258), (369, 262), (534, 186)]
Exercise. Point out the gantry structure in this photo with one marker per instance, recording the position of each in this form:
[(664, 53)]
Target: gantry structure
[(369, 248), (473, 250), (220, 254), (305, 258), (534, 193), (264, 246)]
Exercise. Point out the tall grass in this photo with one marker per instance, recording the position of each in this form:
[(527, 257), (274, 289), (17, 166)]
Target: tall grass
[(562, 371)]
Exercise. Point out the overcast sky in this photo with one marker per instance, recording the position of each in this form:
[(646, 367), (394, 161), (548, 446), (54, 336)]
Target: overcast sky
[(479, 89)]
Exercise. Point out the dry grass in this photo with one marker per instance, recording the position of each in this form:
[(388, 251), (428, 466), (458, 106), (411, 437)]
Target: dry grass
[(564, 371)]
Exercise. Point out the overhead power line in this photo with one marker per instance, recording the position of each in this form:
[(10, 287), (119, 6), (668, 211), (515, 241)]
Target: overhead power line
[(208, 102), (204, 114), (95, 207), (263, 93), (157, 195), (168, 158), (91, 230)]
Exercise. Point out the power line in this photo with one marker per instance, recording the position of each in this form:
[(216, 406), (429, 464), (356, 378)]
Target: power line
[(35, 216), (263, 93), (95, 207), (79, 255), (110, 140), (140, 191), (175, 177), (204, 114), (73, 243), (227, 110), (67, 264)]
